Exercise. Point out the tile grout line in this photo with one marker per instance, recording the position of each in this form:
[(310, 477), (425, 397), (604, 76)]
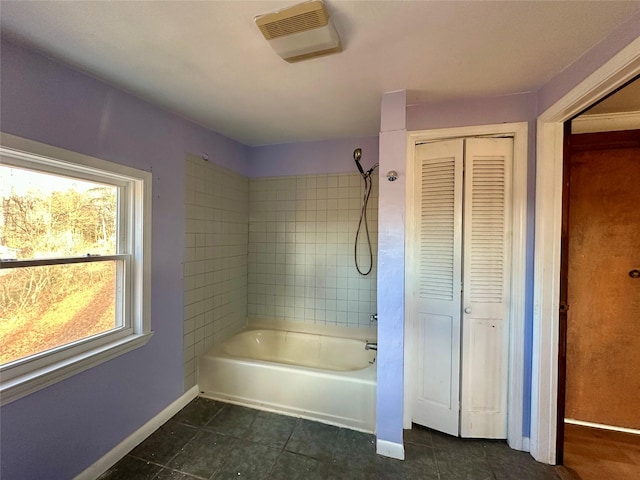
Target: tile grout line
[(236, 440), (283, 449)]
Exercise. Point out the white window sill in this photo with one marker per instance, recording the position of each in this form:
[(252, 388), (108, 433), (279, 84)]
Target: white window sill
[(24, 385)]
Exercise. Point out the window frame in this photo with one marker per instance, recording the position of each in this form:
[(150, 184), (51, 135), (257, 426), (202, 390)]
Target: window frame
[(133, 256)]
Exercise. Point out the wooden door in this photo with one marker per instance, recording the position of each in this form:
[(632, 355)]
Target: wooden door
[(603, 335)]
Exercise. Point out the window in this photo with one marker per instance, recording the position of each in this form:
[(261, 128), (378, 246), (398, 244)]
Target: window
[(74, 263)]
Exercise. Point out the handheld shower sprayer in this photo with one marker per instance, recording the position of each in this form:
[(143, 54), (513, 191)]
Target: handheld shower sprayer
[(357, 155), (368, 185)]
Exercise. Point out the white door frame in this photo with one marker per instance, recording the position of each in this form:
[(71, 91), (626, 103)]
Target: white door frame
[(548, 215), (515, 400)]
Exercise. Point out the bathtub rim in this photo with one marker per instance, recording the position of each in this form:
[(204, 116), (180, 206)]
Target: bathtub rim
[(366, 375), (354, 333)]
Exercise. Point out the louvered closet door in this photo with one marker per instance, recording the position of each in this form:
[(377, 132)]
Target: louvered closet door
[(461, 286), (436, 394), (486, 279)]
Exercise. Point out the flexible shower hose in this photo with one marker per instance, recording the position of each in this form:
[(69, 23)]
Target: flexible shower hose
[(363, 219)]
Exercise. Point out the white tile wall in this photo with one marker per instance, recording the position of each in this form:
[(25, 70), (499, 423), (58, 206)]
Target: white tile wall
[(271, 248), (301, 242), (215, 258)]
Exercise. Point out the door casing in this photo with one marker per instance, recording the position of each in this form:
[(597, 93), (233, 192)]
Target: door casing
[(515, 400), (621, 68)]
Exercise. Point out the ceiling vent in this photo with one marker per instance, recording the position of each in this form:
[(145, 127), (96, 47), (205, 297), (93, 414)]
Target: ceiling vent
[(300, 32)]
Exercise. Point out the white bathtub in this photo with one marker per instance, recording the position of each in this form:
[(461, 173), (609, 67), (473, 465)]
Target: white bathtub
[(309, 375)]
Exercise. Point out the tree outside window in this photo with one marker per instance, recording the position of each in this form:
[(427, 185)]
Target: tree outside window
[(48, 216), (74, 263)]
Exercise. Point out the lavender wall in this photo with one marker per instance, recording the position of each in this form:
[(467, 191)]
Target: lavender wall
[(59, 431), (391, 228), (472, 111), (311, 158), (562, 83)]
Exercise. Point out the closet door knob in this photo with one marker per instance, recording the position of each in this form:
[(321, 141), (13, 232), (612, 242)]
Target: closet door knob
[(467, 310), (635, 273)]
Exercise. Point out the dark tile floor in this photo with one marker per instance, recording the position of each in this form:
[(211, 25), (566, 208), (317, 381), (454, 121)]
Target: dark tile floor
[(214, 440)]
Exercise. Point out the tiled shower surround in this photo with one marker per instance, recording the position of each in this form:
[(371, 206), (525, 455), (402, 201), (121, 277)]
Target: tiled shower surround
[(215, 258), (277, 248), (301, 242)]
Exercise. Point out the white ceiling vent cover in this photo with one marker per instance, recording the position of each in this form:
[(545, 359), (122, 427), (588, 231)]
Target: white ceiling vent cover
[(300, 32)]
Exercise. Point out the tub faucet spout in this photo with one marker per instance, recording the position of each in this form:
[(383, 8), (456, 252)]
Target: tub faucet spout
[(371, 345)]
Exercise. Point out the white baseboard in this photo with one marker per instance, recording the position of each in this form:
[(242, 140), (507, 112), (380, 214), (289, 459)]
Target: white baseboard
[(602, 426), (519, 443), (390, 449), (119, 451)]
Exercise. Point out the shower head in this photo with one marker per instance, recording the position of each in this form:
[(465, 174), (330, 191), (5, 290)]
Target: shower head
[(357, 155)]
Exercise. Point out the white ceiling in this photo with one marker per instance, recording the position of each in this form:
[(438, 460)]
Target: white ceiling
[(207, 61)]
